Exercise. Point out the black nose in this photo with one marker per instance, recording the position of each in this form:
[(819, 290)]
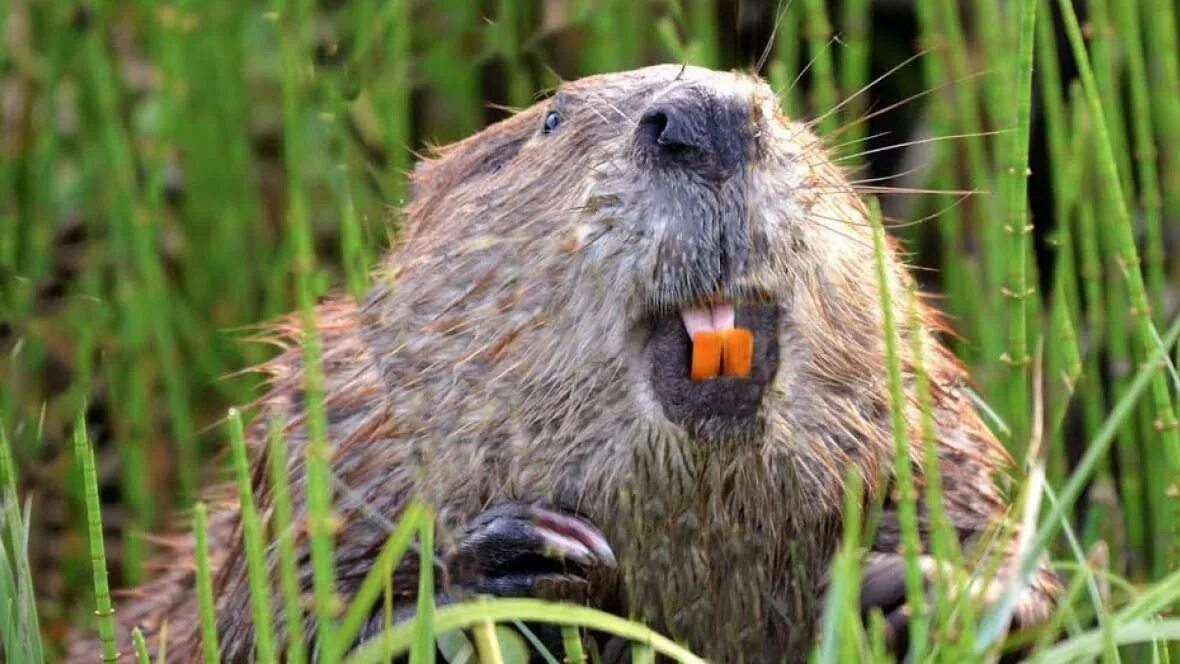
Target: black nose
[(697, 131)]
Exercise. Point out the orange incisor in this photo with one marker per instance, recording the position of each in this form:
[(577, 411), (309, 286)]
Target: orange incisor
[(727, 352)]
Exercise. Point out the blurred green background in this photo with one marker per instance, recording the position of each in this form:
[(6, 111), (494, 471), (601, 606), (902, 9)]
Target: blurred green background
[(150, 153)]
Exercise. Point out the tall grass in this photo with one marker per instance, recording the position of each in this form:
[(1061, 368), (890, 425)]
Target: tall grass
[(171, 172)]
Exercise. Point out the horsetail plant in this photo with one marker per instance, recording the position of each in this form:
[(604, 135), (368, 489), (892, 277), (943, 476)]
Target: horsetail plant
[(204, 582), (1018, 228), (98, 560), (254, 537)]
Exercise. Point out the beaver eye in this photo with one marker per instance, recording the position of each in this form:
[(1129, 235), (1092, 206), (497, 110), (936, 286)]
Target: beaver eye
[(552, 119)]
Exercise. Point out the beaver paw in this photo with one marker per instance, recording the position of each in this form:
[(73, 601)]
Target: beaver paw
[(524, 549), (883, 588)]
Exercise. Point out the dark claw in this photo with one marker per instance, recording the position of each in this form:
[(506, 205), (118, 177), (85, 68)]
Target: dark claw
[(526, 549)]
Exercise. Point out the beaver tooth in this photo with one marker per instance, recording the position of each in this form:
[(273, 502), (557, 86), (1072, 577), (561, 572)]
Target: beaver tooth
[(706, 355), (707, 327), (714, 317)]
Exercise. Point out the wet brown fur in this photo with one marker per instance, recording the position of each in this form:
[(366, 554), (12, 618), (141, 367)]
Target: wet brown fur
[(497, 358)]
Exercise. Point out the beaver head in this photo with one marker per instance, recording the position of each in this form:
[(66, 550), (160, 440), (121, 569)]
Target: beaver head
[(574, 245)]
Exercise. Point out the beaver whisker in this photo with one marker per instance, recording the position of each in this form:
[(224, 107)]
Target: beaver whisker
[(798, 77), (898, 104), (815, 122), (920, 141)]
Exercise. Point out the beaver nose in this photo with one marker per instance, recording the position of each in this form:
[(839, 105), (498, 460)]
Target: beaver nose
[(698, 132)]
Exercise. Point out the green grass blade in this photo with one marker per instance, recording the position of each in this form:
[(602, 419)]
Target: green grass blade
[(424, 622), (205, 603), (384, 564), (253, 536), (141, 652), (1018, 229), (284, 542), (907, 499), (98, 561), (468, 614)]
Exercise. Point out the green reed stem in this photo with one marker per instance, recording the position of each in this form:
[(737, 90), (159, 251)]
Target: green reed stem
[(854, 66), (141, 652), (387, 561), (292, 41), (1099, 446), (839, 635), (424, 619), (506, 40), (987, 207), (1018, 228), (205, 585), (907, 503), (1159, 21), (284, 542), (1127, 254), (784, 66), (1105, 64), (1143, 136), (824, 95), (253, 536), (571, 641), (98, 559)]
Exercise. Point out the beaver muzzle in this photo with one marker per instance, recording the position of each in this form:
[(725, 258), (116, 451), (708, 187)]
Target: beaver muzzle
[(709, 364)]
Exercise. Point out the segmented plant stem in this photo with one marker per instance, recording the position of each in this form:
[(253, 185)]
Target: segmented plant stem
[(98, 559), (254, 538), (1018, 228), (205, 602), (911, 547)]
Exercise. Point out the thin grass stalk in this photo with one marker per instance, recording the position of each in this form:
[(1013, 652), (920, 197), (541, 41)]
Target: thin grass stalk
[(17, 589), (135, 252), (911, 546), (387, 561), (98, 560), (784, 66), (447, 66), (292, 40), (1145, 157), (838, 636), (254, 538), (571, 641), (958, 267), (284, 543), (1018, 228), (487, 645), (966, 107), (1105, 64), (702, 25), (1127, 254), (424, 620), (506, 41), (641, 653), (1159, 22), (205, 602), (996, 53), (943, 542), (854, 65), (818, 32), (1099, 446), (141, 652)]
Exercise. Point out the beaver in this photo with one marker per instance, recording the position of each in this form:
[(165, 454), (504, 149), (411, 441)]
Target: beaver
[(522, 360)]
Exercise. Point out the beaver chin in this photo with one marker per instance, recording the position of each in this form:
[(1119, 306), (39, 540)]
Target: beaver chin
[(719, 405)]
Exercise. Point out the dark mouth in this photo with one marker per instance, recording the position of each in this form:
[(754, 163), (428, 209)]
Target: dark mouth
[(695, 390)]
